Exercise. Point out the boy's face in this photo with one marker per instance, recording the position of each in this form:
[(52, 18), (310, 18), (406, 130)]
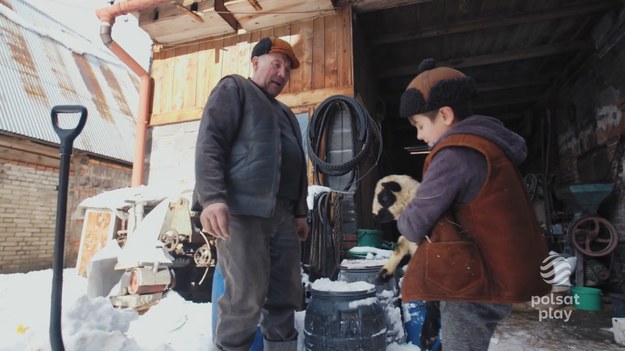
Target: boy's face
[(430, 129)]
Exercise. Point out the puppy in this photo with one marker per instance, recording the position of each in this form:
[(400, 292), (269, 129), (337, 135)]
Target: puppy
[(392, 195)]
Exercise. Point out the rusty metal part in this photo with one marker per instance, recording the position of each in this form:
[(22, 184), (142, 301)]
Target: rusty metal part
[(203, 257), (594, 236), (148, 280), (170, 239)]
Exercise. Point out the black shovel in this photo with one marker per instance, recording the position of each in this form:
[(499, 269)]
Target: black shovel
[(67, 137)]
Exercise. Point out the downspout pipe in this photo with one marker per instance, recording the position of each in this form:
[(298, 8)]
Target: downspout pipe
[(107, 17)]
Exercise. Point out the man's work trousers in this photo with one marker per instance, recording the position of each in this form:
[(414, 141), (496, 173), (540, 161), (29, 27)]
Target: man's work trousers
[(260, 263)]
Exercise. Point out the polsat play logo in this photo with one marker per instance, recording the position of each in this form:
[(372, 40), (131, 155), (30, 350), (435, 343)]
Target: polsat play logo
[(556, 270)]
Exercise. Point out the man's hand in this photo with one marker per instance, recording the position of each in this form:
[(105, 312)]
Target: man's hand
[(302, 228), (215, 219)]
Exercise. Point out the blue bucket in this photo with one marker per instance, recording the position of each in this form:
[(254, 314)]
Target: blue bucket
[(414, 317), (218, 290)]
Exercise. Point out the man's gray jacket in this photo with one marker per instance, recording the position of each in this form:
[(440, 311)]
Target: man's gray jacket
[(238, 149)]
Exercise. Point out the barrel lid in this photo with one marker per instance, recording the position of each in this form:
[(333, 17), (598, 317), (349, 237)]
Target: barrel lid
[(342, 288), (363, 263)]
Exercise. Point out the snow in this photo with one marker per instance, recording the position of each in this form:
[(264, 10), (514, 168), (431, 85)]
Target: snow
[(94, 324)]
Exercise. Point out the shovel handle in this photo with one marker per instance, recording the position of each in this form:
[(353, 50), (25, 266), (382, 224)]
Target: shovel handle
[(67, 136)]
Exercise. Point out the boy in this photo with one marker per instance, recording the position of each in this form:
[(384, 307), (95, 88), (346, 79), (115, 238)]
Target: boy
[(483, 246)]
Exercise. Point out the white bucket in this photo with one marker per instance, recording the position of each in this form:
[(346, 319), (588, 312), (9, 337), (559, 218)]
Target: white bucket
[(618, 328)]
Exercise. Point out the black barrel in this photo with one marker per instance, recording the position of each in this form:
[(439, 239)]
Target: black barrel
[(386, 292), (344, 320)]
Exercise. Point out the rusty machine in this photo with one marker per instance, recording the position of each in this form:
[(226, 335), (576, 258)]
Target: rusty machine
[(179, 257)]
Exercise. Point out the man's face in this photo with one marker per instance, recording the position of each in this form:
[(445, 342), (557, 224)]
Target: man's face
[(271, 72)]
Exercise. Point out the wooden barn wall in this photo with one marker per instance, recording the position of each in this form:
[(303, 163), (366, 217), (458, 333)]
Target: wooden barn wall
[(185, 74)]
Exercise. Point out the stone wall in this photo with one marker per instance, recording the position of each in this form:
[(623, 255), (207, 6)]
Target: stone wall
[(171, 150)]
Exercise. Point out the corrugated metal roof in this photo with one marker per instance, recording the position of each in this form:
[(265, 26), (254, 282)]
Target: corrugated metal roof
[(44, 64)]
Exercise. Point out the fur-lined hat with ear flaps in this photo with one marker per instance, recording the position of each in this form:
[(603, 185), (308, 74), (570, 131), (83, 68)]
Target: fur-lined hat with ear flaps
[(435, 87)]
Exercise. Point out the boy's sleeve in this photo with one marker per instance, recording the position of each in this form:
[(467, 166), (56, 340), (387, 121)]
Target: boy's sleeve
[(454, 176)]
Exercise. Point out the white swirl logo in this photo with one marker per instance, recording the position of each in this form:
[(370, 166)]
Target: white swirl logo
[(555, 270)]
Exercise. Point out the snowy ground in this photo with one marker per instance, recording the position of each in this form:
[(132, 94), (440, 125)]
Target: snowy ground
[(177, 324)]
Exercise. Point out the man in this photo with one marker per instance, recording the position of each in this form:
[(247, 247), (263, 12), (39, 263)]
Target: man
[(251, 185), (480, 245)]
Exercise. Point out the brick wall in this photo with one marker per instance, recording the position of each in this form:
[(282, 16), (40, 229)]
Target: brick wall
[(27, 211), (590, 119), (28, 200)]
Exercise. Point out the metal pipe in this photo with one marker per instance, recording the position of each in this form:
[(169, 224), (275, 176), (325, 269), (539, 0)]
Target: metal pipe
[(107, 17)]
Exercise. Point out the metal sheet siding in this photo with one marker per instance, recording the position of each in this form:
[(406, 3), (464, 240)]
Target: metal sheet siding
[(39, 71)]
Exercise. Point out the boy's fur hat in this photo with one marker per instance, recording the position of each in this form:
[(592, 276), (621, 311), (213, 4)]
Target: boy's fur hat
[(435, 87)]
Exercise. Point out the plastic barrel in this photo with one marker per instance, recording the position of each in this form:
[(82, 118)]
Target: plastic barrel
[(586, 299), (344, 320), (414, 317), (369, 237), (217, 291)]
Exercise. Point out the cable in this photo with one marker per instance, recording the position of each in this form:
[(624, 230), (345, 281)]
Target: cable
[(366, 130)]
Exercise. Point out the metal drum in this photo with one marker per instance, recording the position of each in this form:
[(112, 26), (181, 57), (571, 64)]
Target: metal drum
[(344, 320)]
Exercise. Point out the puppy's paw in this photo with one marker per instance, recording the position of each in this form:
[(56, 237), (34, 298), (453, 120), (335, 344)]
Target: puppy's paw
[(383, 276)]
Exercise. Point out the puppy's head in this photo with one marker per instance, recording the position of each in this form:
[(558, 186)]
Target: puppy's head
[(392, 195)]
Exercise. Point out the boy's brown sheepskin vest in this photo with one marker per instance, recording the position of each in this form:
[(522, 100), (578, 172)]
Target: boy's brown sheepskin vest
[(489, 250)]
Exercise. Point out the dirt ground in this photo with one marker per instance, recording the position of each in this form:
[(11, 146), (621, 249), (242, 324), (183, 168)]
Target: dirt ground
[(526, 329)]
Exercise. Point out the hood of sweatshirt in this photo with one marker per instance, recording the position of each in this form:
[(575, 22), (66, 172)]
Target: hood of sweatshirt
[(493, 129)]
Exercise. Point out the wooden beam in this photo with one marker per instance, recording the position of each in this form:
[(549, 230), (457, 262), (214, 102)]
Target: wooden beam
[(481, 60), (255, 5), (362, 6), (496, 22), (515, 100), (544, 80), (296, 101), (24, 145), (221, 9)]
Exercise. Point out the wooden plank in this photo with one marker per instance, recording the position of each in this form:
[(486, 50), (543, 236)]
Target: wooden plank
[(318, 55), (331, 47), (296, 101), (177, 116), (178, 68), (169, 25), (244, 50), (7, 154), (97, 230), (215, 59), (275, 13), (191, 77), (229, 56), (204, 61), (313, 97), (157, 73), (166, 81), (345, 47), (301, 78)]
